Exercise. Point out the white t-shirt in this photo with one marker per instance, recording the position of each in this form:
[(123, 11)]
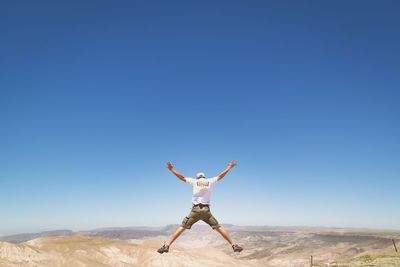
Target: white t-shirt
[(201, 189)]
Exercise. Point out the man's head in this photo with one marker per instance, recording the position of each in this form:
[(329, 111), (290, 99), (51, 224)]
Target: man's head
[(200, 175)]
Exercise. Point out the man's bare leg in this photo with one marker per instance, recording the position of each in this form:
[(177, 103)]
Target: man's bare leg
[(225, 234), (175, 235)]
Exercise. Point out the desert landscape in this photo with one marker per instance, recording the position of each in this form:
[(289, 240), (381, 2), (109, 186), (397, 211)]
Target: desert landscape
[(201, 246)]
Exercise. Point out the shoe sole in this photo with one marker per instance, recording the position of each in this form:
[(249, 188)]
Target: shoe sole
[(237, 250), (162, 251)]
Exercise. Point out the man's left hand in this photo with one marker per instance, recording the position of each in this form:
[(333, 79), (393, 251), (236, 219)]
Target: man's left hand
[(232, 164)]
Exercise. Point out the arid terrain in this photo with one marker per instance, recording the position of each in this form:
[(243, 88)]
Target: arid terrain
[(201, 246), (98, 251)]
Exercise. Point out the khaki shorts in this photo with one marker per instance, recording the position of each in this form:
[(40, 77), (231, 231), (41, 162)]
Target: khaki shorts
[(203, 214)]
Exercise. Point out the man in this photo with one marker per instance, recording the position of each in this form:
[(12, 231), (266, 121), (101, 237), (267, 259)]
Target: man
[(201, 206)]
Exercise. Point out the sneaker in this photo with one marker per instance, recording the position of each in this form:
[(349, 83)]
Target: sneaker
[(237, 248), (163, 249)]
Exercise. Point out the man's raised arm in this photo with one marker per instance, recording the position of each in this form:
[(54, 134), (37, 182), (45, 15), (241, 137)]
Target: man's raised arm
[(230, 166), (170, 167)]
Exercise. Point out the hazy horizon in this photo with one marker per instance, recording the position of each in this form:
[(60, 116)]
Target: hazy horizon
[(39, 230)]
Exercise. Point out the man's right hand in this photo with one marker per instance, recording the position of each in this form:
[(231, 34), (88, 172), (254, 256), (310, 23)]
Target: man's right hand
[(170, 166)]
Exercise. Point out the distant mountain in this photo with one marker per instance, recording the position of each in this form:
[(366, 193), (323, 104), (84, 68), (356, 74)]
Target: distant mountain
[(123, 234), (19, 238)]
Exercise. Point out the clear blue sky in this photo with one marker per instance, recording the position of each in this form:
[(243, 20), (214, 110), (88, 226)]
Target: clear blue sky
[(97, 95)]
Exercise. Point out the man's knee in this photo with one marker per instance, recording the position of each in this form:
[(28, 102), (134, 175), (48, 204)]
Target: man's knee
[(188, 222), (212, 222), (216, 227), (181, 229)]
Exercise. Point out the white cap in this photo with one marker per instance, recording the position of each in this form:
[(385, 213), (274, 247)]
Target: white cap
[(200, 175)]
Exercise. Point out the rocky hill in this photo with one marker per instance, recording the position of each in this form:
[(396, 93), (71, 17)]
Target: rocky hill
[(264, 245), (382, 260), (97, 251)]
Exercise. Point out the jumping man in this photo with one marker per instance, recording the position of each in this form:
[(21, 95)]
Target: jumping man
[(201, 205)]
